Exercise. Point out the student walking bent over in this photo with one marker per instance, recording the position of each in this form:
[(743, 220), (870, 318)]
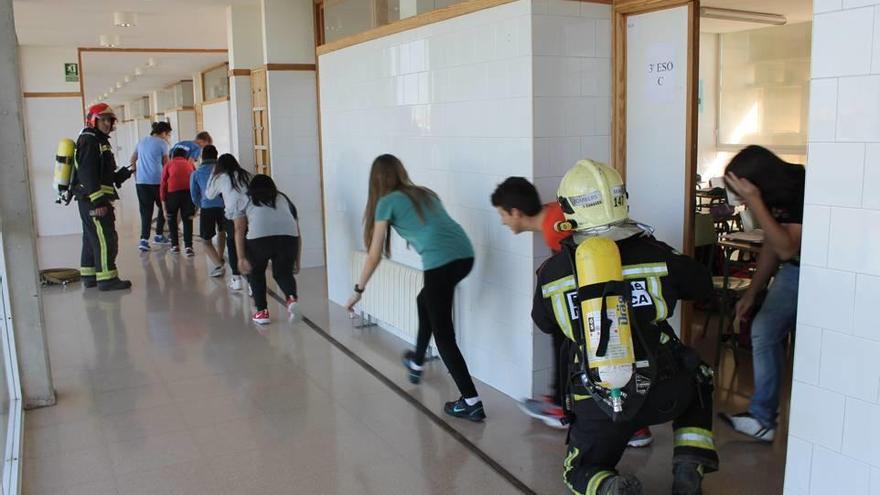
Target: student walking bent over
[(267, 229), (418, 216), (174, 192), (230, 181), (211, 220)]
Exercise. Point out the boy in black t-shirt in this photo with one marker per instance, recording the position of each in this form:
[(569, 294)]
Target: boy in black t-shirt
[(773, 190)]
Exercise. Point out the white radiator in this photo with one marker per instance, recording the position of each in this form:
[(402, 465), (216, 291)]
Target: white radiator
[(390, 298)]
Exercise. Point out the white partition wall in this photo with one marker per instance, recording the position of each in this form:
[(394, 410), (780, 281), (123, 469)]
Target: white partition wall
[(216, 121), (453, 101)]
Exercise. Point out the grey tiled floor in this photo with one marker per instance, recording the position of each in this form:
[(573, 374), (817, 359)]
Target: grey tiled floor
[(170, 389)]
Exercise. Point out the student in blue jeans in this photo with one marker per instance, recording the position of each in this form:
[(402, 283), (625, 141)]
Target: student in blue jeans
[(773, 190)]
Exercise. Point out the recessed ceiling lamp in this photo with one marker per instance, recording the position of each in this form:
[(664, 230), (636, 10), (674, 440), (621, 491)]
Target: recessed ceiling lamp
[(105, 95), (138, 72), (118, 85), (111, 90), (109, 40), (124, 19), (126, 79), (742, 16), (151, 62)]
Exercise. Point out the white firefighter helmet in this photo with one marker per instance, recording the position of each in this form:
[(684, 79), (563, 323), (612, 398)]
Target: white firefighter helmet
[(593, 197)]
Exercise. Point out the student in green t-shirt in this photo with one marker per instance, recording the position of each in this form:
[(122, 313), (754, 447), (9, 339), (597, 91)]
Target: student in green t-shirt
[(418, 216)]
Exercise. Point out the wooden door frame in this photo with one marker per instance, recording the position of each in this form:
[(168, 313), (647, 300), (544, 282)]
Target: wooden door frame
[(622, 9)]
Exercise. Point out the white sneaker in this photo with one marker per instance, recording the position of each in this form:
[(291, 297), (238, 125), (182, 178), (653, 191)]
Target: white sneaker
[(746, 424), (291, 304), (218, 271), (235, 282)]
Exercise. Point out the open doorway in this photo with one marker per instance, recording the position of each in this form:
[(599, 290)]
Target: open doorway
[(753, 89)]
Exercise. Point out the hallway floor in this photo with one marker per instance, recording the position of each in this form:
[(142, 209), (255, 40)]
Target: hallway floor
[(170, 389)]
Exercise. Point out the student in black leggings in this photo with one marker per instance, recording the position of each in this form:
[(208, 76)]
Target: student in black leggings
[(418, 216)]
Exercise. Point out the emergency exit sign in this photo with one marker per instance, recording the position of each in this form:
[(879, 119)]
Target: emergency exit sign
[(71, 72)]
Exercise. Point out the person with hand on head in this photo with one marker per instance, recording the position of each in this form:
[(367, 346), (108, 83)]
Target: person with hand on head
[(267, 229), (94, 184), (417, 214), (149, 157), (773, 191)]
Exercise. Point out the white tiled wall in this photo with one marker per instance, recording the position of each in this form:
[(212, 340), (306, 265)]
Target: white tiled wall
[(453, 101), (834, 444), (293, 139), (571, 42)]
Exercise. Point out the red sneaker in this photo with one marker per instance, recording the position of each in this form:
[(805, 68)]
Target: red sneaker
[(641, 438), (261, 317)]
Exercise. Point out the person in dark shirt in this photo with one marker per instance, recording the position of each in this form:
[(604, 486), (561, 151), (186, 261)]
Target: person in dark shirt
[(94, 185), (680, 388), (773, 190)]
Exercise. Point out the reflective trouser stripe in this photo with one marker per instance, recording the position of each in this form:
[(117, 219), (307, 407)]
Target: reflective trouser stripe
[(694, 437), (596, 481), (104, 273), (87, 271)]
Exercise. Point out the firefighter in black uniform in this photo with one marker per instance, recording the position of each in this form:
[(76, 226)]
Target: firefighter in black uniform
[(94, 186), (594, 201)]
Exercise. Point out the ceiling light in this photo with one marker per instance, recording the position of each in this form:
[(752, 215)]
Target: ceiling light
[(118, 85), (124, 19), (111, 90), (104, 95), (109, 40), (138, 72), (126, 79), (742, 16), (151, 62)]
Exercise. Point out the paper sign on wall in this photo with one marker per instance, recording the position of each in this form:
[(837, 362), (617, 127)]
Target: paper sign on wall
[(71, 72), (660, 73)]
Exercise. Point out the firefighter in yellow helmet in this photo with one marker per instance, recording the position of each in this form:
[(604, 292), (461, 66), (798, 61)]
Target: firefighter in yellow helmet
[(665, 380), (94, 187)]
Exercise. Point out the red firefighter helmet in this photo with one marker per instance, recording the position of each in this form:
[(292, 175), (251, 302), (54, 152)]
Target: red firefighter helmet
[(96, 111)]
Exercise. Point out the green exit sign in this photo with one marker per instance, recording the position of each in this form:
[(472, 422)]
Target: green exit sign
[(71, 72)]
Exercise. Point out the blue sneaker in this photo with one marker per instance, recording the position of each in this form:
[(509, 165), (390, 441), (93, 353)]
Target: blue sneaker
[(161, 239), (460, 409), (144, 245)]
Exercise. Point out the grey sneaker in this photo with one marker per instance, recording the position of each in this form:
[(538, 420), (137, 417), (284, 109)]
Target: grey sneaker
[(621, 484), (748, 425), (550, 414)]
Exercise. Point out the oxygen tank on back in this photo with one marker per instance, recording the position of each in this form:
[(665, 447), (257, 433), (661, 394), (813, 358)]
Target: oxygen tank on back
[(64, 158), (606, 320)]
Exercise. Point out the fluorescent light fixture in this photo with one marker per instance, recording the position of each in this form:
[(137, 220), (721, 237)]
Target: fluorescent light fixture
[(124, 19), (742, 16), (109, 40)]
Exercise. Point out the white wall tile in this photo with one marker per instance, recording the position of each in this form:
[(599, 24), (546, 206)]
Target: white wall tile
[(823, 109), (595, 10), (814, 240), (850, 365), (861, 433), (579, 37), (808, 352), (849, 4), (875, 481), (871, 184), (875, 60), (825, 429), (858, 109), (855, 240), (603, 38), (842, 43), (835, 473), (835, 289), (798, 464), (834, 174), (865, 317), (821, 6), (568, 8)]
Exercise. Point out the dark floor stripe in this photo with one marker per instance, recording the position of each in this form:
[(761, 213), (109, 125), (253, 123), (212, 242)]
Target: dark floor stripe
[(439, 421)]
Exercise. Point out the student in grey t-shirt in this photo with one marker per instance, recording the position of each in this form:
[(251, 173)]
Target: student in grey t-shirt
[(267, 229)]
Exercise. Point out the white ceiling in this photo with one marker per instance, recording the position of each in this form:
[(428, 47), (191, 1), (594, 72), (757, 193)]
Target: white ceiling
[(160, 24), (794, 10), (101, 70)]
